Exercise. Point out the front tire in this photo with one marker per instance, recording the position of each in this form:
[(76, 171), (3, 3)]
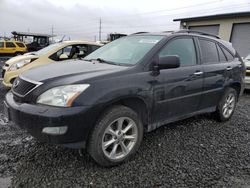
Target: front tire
[(116, 136), (226, 106)]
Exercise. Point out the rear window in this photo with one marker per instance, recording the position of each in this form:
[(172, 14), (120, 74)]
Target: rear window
[(209, 51), (1, 44), (10, 45), (21, 45), (229, 56)]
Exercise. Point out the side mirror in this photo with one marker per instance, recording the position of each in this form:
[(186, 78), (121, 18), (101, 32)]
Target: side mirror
[(63, 56), (169, 62)]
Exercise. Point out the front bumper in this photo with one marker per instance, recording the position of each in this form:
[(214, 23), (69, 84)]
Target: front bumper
[(34, 118), (247, 82)]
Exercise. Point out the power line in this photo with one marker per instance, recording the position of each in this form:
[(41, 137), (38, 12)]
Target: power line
[(166, 16), (91, 20), (120, 26)]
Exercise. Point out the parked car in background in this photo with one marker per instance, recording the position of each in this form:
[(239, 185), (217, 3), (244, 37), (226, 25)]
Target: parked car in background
[(12, 48), (129, 86), (53, 53), (247, 78)]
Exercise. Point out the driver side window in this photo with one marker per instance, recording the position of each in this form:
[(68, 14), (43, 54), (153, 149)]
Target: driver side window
[(66, 50), (182, 47)]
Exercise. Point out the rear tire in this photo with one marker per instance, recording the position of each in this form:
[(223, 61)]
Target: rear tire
[(226, 106), (116, 137)]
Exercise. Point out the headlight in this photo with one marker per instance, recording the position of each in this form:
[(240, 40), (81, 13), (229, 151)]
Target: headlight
[(18, 65), (62, 96)]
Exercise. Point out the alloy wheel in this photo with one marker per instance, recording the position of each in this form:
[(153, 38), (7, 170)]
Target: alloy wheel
[(119, 138), (229, 105)]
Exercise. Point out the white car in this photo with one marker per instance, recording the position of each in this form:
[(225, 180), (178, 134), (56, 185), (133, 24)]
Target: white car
[(247, 78)]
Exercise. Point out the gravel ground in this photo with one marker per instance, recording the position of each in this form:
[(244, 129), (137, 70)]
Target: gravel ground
[(198, 152)]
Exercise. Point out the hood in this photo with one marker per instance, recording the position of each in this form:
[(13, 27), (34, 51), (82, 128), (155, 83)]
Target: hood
[(21, 58), (76, 70)]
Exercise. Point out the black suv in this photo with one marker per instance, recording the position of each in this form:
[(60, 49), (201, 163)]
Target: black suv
[(133, 85)]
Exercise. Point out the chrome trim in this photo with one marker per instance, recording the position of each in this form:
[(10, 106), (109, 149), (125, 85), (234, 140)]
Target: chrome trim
[(31, 81), (28, 80), (198, 73)]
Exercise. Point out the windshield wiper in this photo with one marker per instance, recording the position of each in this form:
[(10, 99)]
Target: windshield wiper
[(100, 60)]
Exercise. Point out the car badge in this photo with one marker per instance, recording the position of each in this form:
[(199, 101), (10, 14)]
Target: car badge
[(15, 84)]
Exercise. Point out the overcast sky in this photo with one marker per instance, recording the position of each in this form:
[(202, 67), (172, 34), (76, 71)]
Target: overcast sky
[(79, 19)]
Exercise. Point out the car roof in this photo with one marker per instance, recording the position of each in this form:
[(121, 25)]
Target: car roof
[(10, 41), (81, 42), (190, 33), (180, 32)]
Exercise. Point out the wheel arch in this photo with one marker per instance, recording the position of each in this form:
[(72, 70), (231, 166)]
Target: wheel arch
[(136, 103), (237, 87)]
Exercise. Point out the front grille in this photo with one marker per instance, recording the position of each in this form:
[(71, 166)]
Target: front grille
[(22, 87), (247, 73)]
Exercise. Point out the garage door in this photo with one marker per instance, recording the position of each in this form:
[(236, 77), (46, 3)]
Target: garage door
[(240, 38), (212, 29)]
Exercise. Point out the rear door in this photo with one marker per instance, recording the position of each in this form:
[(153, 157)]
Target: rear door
[(177, 91), (217, 70), (10, 47)]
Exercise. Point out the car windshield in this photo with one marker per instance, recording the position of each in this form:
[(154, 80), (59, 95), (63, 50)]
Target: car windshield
[(125, 51), (47, 49)]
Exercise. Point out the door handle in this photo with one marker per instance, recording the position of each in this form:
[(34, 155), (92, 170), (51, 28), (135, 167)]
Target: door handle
[(198, 73), (229, 68)]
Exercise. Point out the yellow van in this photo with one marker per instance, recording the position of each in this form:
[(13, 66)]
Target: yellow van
[(10, 48), (51, 54)]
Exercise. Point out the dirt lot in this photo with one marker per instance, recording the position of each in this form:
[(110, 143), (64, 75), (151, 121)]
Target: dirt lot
[(198, 152)]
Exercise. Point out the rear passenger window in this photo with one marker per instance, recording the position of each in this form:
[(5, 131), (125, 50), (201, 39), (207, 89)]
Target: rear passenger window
[(228, 55), (21, 45), (221, 54), (208, 51), (10, 45), (182, 47), (1, 44)]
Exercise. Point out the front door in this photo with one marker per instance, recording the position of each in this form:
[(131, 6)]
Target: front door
[(177, 91)]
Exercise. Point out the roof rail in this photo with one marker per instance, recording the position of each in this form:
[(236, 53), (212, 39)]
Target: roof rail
[(198, 32), (141, 32)]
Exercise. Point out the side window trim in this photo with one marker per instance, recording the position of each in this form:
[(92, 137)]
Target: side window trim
[(225, 48), (183, 37), (13, 45), (218, 46)]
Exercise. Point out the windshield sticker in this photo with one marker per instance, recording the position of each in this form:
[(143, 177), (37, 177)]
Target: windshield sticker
[(149, 41)]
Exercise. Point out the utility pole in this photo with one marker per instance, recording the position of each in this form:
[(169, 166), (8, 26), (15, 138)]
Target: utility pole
[(100, 30), (52, 32)]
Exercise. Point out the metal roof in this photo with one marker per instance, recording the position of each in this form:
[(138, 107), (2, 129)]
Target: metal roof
[(30, 34), (215, 16)]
